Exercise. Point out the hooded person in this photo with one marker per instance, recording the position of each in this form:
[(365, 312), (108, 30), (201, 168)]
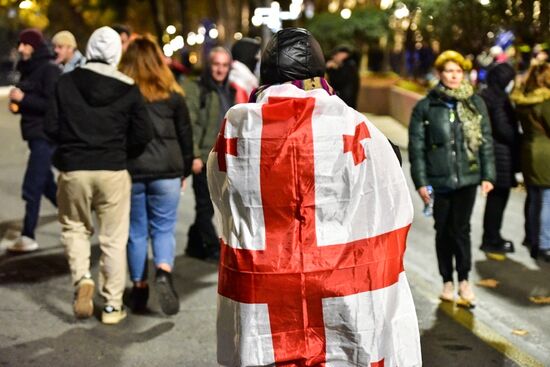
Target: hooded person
[(314, 212), (506, 144), (98, 120), (245, 54)]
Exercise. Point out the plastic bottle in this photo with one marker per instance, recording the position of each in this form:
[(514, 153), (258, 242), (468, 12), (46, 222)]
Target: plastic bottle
[(428, 207)]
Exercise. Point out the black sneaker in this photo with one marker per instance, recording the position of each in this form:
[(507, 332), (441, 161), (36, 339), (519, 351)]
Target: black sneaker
[(168, 298), (502, 247), (138, 299)]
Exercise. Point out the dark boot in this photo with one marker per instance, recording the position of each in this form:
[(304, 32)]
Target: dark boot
[(167, 296), (138, 299)]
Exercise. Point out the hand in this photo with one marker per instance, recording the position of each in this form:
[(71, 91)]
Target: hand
[(183, 185), (424, 194), (16, 95), (486, 187), (197, 166)]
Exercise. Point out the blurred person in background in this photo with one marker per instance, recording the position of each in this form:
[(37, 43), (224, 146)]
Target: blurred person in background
[(98, 120), (246, 53), (157, 174), (451, 149), (506, 138), (532, 102), (125, 33), (30, 98), (343, 75), (66, 51), (208, 100)]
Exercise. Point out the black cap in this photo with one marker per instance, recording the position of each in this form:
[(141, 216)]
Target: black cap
[(292, 54)]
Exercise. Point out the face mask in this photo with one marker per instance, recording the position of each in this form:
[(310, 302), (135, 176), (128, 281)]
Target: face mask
[(509, 87)]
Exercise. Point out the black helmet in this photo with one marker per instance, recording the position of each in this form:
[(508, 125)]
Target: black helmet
[(292, 54)]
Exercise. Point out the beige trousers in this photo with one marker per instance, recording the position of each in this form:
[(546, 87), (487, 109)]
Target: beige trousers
[(108, 194)]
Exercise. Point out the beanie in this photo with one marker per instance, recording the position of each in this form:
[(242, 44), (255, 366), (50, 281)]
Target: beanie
[(32, 36), (453, 56), (64, 38)]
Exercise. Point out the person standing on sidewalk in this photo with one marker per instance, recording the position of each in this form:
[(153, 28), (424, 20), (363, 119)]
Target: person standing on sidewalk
[(98, 119), (533, 109), (505, 130), (30, 99), (208, 99), (451, 149), (157, 174), (66, 52)]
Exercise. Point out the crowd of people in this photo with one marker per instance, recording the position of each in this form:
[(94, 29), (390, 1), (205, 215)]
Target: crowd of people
[(125, 133), (459, 139)]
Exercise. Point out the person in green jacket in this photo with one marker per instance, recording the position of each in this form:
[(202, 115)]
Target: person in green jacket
[(533, 110), (451, 149), (208, 100)]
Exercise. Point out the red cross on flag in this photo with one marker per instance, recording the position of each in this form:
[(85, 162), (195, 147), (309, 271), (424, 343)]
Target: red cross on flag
[(314, 212)]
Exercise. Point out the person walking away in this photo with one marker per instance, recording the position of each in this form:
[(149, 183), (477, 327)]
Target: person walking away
[(98, 120), (532, 102), (30, 99), (343, 75), (506, 137), (208, 101), (246, 53), (157, 174), (451, 149), (66, 51)]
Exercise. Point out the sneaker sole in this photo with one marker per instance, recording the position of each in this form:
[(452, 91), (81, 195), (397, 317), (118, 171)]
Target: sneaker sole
[(84, 305), (23, 250), (113, 318), (169, 302)]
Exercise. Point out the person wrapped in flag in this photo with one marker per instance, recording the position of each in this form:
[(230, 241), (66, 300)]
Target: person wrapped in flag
[(314, 212)]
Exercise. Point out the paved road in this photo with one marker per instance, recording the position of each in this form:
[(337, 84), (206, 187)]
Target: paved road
[(37, 327)]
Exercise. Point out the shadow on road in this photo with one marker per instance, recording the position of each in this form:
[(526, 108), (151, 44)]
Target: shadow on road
[(99, 346), (516, 281)]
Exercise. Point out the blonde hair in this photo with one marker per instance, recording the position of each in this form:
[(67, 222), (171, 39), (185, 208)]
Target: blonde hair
[(144, 62), (453, 56)]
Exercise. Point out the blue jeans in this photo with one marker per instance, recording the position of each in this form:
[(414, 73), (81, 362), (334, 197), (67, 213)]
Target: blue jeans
[(153, 214), (538, 217), (38, 181)]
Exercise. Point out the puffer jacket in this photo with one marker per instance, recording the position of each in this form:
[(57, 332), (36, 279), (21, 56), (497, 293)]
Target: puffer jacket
[(437, 149), (170, 153), (534, 116)]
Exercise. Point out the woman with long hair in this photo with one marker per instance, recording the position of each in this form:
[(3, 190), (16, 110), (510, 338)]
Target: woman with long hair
[(450, 149), (157, 174), (532, 102)]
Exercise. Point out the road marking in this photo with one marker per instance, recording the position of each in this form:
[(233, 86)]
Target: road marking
[(476, 327)]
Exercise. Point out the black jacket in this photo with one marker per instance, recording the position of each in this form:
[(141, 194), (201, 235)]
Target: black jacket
[(170, 153), (38, 77), (98, 119), (506, 137), (345, 81), (437, 151)]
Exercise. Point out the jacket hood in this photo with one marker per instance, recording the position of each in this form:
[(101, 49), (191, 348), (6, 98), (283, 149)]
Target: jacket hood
[(246, 51), (100, 84), (104, 45), (292, 54), (500, 75)]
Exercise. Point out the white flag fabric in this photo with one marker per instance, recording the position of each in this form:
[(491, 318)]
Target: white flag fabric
[(314, 212)]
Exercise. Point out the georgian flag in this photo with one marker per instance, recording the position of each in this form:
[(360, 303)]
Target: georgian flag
[(314, 212)]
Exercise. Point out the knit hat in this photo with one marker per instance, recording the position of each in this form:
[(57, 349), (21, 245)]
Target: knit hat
[(453, 56), (33, 37), (64, 38)]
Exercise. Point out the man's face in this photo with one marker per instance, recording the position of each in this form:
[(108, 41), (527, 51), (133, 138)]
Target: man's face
[(220, 63), (125, 39), (25, 50), (64, 53)]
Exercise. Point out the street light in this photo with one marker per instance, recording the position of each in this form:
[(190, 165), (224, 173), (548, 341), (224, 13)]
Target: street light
[(170, 29), (345, 13)]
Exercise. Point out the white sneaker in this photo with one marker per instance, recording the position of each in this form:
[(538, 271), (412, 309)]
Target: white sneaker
[(24, 244)]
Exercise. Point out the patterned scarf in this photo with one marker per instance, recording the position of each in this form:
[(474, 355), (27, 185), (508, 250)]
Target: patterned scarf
[(306, 84), (468, 114)]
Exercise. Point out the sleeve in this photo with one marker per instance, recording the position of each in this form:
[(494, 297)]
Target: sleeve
[(51, 122), (192, 93), (545, 117), (184, 133), (140, 130), (486, 151), (38, 102), (417, 146)]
